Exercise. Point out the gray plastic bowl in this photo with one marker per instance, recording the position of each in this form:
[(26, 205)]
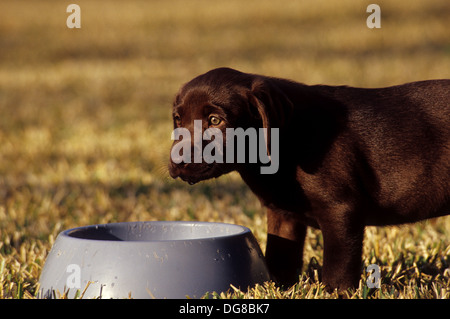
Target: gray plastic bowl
[(152, 260)]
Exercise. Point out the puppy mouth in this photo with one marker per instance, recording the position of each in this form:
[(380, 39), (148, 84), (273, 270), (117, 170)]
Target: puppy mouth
[(191, 173)]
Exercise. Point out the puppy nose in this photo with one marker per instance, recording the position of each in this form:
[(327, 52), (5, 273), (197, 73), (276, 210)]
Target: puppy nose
[(174, 169)]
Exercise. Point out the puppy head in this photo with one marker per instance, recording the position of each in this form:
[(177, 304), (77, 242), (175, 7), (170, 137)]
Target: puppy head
[(203, 110)]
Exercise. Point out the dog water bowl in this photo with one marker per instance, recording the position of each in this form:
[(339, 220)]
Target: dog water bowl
[(152, 260)]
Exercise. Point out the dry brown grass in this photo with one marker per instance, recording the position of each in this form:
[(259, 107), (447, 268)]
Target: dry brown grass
[(85, 119)]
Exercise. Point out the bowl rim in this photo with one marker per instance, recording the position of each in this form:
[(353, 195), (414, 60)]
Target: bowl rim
[(241, 231)]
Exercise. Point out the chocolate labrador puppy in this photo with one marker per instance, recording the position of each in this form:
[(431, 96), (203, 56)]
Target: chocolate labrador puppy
[(348, 157)]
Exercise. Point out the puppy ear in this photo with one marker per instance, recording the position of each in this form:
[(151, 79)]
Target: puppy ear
[(259, 110), (269, 104)]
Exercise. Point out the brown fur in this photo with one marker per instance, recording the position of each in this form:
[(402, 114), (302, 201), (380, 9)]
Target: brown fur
[(349, 157)]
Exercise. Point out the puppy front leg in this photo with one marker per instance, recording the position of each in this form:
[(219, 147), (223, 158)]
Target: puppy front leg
[(343, 244), (284, 250)]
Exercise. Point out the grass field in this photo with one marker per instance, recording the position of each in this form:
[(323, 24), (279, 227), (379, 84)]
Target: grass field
[(85, 119)]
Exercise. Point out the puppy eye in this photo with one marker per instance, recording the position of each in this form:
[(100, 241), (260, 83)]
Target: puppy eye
[(214, 120), (177, 119)]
